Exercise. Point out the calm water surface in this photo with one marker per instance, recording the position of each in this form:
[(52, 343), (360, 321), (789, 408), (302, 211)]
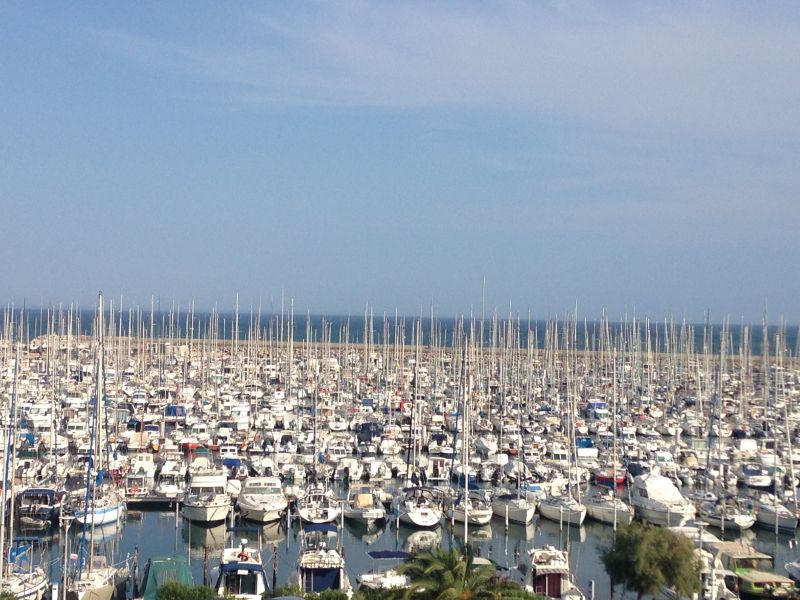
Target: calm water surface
[(157, 534)]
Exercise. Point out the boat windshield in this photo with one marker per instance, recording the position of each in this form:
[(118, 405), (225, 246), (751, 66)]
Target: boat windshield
[(241, 583)]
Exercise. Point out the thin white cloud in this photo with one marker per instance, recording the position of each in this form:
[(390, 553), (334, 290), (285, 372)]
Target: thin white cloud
[(714, 68)]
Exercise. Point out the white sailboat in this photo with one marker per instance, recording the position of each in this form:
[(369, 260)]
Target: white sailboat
[(321, 564), (418, 507), (18, 576), (96, 577)]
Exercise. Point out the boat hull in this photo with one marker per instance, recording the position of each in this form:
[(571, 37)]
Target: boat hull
[(563, 514), (608, 514), (206, 513), (521, 515), (100, 516)]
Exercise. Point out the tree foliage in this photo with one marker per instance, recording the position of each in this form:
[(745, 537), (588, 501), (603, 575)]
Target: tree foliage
[(173, 590), (448, 575), (645, 558)]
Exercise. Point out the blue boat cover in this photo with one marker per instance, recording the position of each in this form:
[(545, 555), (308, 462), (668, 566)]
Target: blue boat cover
[(378, 554), (241, 566), (329, 527)]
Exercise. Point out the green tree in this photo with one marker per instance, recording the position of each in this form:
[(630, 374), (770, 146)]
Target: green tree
[(441, 574), (645, 559), (504, 589), (173, 590), (7, 596)]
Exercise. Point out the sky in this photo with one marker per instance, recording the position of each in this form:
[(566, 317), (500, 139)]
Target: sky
[(527, 157)]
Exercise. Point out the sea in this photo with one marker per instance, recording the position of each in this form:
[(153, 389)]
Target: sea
[(584, 334)]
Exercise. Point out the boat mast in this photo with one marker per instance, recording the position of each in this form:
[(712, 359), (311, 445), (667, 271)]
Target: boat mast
[(10, 456)]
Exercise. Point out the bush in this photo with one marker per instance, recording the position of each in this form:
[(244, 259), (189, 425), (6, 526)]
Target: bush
[(172, 590)]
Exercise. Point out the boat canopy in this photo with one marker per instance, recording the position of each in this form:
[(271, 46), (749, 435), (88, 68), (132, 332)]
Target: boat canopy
[(242, 566), (382, 554), (162, 570), (326, 527)]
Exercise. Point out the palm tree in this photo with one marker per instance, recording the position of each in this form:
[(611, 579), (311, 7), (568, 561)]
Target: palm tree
[(441, 574)]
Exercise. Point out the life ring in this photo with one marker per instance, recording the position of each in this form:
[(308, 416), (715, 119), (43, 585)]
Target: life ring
[(243, 555)]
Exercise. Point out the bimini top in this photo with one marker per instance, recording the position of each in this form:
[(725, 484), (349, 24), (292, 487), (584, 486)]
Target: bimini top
[(381, 554), (326, 527)]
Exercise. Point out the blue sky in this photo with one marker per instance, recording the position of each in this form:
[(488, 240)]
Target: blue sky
[(625, 156)]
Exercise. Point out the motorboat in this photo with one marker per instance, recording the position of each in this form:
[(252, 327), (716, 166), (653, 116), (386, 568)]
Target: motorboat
[(656, 499), (241, 573), (385, 579), (362, 506), (262, 499), (546, 573), (206, 500)]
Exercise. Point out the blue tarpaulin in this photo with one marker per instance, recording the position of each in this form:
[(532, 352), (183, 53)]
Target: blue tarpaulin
[(329, 527), (18, 554), (379, 554), (319, 580)]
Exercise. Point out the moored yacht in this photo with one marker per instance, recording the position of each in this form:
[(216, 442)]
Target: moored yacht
[(604, 506), (362, 506), (563, 509), (471, 508), (546, 573), (262, 499), (418, 507), (656, 499), (321, 564), (206, 500), (318, 506), (514, 507), (241, 574)]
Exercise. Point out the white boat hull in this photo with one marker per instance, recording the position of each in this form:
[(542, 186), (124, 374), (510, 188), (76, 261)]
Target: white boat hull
[(521, 514), (206, 513), (607, 513), (100, 516), (25, 586), (475, 516), (666, 518), (425, 517), (260, 515), (563, 514), (364, 515)]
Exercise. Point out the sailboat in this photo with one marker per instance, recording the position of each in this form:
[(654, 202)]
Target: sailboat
[(96, 577), (603, 504), (321, 564), (469, 508), (18, 576), (101, 503), (564, 507)]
